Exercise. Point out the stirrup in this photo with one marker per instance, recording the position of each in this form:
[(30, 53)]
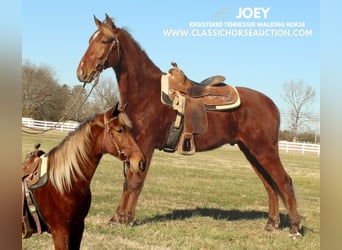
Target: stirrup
[(26, 230), (186, 144)]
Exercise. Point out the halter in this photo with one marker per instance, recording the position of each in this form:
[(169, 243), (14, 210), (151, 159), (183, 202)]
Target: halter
[(115, 44), (121, 154)]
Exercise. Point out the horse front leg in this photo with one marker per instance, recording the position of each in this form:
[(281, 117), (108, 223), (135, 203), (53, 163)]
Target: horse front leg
[(60, 242), (132, 187), (68, 236), (133, 184)]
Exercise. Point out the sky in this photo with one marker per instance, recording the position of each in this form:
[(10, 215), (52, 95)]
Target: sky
[(56, 34)]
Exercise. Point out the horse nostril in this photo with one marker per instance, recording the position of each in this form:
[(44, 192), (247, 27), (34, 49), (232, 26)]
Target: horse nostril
[(142, 165), (81, 74)]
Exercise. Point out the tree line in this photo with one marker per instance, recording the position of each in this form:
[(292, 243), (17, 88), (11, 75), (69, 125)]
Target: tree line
[(43, 98)]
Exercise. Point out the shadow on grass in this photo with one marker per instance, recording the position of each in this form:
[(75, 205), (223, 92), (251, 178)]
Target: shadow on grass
[(215, 213), (219, 214)]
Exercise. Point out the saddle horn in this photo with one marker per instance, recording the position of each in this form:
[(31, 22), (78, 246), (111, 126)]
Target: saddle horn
[(37, 146)]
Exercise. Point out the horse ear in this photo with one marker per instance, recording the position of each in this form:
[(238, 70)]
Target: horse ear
[(109, 21), (116, 110), (97, 22), (125, 107)]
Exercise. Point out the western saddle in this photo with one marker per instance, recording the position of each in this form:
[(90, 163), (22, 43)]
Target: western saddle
[(192, 100), (34, 175)]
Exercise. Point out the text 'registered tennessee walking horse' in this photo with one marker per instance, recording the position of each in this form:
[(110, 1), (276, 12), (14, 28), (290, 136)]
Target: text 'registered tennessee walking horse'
[(253, 125), (56, 185)]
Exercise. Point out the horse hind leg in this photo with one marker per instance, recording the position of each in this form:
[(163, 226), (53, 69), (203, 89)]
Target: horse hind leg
[(277, 182), (285, 190), (273, 214)]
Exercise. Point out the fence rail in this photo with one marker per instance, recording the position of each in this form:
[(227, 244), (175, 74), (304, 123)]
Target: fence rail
[(47, 125), (303, 148)]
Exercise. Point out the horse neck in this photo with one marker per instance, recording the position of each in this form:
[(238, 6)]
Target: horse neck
[(95, 154), (136, 71), (139, 81), (76, 154)]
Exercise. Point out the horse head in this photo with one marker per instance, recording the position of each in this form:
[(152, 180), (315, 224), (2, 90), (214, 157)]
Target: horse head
[(103, 51), (118, 139)]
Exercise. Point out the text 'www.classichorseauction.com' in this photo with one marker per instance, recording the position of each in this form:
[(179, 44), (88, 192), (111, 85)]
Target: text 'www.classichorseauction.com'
[(241, 29), (243, 26)]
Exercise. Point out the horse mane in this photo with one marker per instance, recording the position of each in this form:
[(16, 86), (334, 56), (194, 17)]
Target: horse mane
[(66, 158), (138, 51), (135, 48)]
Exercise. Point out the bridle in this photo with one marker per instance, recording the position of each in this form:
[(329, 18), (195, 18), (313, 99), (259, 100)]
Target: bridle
[(121, 153), (115, 44)]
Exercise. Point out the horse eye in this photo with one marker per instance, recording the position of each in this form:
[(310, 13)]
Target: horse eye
[(120, 130), (106, 41)]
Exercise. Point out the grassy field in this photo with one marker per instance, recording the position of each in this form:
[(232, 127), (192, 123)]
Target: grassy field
[(212, 200)]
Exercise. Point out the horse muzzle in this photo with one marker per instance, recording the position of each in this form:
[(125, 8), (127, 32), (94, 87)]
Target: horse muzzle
[(136, 166)]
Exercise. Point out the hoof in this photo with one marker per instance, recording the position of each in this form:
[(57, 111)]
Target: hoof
[(269, 228), (294, 236), (112, 223), (296, 230), (118, 220), (272, 225)]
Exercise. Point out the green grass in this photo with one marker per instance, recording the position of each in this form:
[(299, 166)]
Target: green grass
[(212, 200)]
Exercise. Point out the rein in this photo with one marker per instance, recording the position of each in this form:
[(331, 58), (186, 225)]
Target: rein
[(115, 44), (60, 122)]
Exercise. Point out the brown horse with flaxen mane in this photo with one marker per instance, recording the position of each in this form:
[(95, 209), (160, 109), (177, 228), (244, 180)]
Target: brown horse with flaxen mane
[(63, 199), (254, 125)]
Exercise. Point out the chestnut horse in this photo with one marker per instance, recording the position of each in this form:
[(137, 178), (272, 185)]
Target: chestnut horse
[(64, 201), (254, 126)]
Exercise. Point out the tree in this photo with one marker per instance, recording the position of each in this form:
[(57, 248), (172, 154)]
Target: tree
[(105, 95), (44, 99), (308, 136), (298, 96), (77, 107), (39, 86)]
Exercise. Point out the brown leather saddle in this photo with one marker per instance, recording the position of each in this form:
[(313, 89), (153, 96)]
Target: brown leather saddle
[(34, 175), (192, 100)]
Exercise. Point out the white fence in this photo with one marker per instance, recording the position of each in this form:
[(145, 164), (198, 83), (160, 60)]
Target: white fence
[(46, 125), (302, 148)]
